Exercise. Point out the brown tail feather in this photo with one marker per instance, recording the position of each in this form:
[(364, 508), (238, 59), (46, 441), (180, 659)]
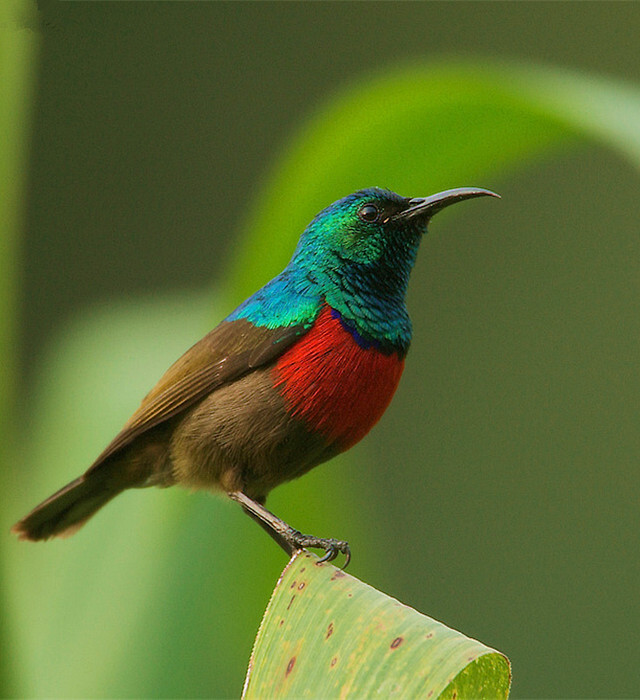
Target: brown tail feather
[(67, 510)]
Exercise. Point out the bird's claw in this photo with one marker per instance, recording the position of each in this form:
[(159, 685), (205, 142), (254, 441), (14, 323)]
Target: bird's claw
[(332, 547)]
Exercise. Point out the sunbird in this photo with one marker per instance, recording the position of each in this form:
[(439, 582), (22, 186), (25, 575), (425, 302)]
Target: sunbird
[(298, 373)]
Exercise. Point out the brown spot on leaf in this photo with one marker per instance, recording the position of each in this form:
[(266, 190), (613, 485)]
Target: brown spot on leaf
[(290, 665), (396, 642), (430, 693), (429, 635), (454, 695), (302, 570), (334, 661), (293, 585), (282, 622), (291, 601), (338, 574), (301, 585), (329, 630)]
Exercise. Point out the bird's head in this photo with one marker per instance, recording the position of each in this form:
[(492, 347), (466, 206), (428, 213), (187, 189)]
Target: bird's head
[(356, 255), (373, 233)]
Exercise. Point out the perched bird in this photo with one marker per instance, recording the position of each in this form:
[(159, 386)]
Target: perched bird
[(298, 373)]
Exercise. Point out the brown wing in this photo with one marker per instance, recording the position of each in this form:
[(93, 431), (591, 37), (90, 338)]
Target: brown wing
[(226, 353)]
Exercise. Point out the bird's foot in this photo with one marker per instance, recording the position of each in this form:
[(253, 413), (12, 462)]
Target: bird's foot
[(332, 547), (290, 540)]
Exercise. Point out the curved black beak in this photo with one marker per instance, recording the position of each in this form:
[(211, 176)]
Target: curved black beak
[(426, 207)]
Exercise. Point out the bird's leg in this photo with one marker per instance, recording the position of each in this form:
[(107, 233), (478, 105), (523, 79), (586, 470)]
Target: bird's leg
[(275, 536), (289, 539)]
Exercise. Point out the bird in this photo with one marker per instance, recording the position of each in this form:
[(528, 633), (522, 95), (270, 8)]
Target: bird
[(298, 373)]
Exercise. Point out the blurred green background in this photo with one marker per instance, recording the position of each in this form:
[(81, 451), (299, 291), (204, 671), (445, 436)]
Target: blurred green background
[(170, 157)]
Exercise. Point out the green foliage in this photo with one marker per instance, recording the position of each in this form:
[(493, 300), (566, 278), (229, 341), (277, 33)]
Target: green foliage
[(18, 46), (161, 594), (327, 634)]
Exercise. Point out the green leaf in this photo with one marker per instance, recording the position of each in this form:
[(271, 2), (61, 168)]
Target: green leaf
[(18, 45), (327, 634), (18, 49)]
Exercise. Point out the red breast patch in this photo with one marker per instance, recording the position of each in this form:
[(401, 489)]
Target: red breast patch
[(337, 387)]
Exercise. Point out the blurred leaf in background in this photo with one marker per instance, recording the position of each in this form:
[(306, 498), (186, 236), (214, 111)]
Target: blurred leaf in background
[(476, 497), (18, 49)]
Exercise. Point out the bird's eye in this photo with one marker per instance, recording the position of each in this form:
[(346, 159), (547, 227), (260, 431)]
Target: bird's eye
[(369, 213)]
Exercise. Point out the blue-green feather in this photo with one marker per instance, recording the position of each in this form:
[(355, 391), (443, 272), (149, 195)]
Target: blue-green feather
[(360, 270)]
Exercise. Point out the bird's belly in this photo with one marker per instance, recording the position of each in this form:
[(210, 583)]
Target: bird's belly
[(275, 423), (241, 437), (335, 386)]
